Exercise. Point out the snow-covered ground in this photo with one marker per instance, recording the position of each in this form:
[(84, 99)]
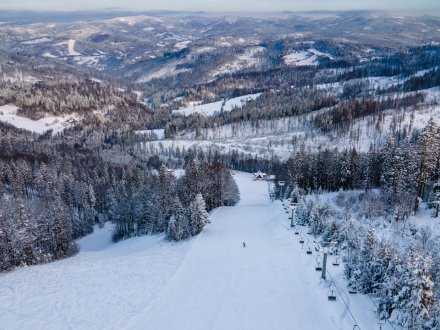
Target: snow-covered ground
[(8, 114), (209, 109), (71, 48), (208, 282), (156, 133), (246, 60), (305, 58), (167, 70), (35, 41), (274, 137)]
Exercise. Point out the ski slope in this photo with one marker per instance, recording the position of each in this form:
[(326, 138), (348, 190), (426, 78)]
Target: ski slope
[(209, 282)]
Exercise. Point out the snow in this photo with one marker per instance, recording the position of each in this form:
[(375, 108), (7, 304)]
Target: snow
[(182, 44), (167, 70), (35, 41), (100, 239), (132, 20), (8, 114), (71, 48), (243, 61), (274, 137), (49, 55), (208, 282), (318, 53), (209, 109), (303, 58), (88, 60), (424, 218), (159, 133)]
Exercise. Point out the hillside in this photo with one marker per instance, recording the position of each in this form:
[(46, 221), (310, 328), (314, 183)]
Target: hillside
[(207, 282)]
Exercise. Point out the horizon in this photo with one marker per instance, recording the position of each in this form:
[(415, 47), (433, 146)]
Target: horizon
[(259, 7), (68, 15)]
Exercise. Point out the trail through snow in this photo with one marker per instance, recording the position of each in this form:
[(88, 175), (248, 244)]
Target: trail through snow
[(209, 282)]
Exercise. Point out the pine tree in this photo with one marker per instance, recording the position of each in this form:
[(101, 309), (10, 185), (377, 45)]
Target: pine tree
[(174, 232), (436, 190), (179, 228), (389, 288), (429, 158), (198, 215), (365, 278), (416, 297), (231, 194)]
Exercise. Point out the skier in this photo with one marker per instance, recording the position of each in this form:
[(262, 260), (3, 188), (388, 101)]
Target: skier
[(244, 244)]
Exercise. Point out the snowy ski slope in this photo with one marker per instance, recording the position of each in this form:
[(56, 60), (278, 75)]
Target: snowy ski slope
[(209, 282)]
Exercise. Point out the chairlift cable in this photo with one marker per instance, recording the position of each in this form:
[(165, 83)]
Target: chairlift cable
[(386, 320), (340, 295)]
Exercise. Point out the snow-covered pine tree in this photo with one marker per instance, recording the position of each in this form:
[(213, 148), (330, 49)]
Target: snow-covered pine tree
[(181, 226), (5, 254), (174, 232), (416, 296), (303, 211), (231, 193), (167, 195), (390, 286), (365, 274), (316, 222), (198, 215), (429, 158), (436, 190)]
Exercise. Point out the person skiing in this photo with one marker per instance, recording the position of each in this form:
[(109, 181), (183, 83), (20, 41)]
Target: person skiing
[(244, 244)]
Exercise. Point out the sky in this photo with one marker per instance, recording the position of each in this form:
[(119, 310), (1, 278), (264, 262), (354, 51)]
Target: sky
[(409, 6)]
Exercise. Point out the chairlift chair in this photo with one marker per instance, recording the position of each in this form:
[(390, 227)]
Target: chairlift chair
[(301, 240), (352, 290), (296, 232), (331, 295), (309, 250), (318, 266), (336, 262)]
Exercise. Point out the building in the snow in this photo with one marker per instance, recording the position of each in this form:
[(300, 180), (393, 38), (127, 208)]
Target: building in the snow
[(260, 176)]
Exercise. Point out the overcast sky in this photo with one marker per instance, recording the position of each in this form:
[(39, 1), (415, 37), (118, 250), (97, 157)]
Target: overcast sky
[(409, 6)]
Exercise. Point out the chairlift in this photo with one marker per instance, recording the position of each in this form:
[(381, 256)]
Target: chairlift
[(318, 266), (352, 290), (309, 232), (336, 262), (296, 232), (294, 201), (301, 240), (331, 295), (309, 250), (331, 292)]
